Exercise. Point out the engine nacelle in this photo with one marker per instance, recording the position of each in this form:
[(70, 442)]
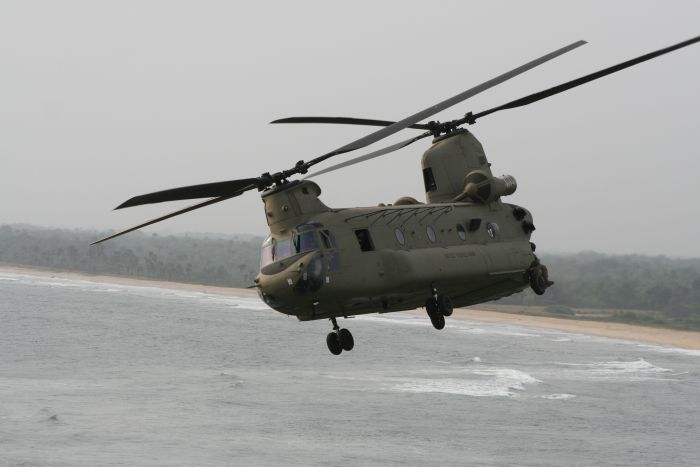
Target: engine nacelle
[(479, 186)]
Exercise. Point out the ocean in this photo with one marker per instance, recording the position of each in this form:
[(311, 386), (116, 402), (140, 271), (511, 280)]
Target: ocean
[(95, 374)]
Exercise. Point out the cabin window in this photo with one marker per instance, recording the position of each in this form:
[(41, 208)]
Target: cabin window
[(429, 179), (305, 241), (431, 234), (461, 232), (328, 239), (364, 239), (492, 229), (473, 225), (400, 237)]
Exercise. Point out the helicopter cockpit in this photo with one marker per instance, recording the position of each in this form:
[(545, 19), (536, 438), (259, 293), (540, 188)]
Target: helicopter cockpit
[(278, 252)]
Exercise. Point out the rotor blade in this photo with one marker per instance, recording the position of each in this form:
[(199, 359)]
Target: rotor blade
[(430, 111), (345, 121), (371, 155), (584, 79), (206, 190), (176, 213)]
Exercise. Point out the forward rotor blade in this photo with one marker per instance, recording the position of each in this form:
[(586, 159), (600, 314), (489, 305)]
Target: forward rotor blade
[(345, 121), (206, 190), (371, 155), (176, 213), (430, 111), (584, 79)]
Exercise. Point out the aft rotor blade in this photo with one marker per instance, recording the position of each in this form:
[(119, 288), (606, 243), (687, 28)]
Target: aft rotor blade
[(371, 155), (584, 79), (176, 213), (346, 121), (430, 111), (206, 190)]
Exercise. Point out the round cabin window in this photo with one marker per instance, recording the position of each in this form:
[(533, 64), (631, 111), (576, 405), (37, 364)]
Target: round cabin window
[(431, 234), (400, 237), (492, 229), (461, 232)]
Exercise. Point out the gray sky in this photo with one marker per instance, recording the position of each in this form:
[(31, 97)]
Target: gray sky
[(101, 101)]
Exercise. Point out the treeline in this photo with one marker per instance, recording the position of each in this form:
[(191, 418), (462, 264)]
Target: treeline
[(230, 261), (670, 288)]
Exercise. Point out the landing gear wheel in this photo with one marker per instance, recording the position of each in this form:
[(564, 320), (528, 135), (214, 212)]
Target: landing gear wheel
[(346, 340), (444, 304), (436, 316), (438, 321), (333, 342), (538, 282)]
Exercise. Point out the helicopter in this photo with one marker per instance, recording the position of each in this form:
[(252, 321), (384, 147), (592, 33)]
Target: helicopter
[(464, 245)]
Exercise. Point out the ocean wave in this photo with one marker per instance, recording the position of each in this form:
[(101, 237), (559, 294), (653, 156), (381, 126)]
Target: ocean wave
[(248, 303), (486, 382), (558, 397), (634, 370)]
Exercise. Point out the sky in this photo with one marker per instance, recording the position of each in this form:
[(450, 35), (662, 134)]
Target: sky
[(101, 101)]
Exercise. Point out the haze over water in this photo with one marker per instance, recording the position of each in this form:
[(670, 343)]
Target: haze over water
[(102, 374)]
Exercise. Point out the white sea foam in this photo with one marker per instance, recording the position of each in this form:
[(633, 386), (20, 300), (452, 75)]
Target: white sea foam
[(635, 370), (249, 303), (670, 350), (482, 382), (558, 396)]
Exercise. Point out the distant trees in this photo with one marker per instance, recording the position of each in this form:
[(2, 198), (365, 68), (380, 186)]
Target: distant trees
[(216, 260), (630, 282)]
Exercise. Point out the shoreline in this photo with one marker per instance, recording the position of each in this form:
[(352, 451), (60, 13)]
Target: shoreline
[(657, 336)]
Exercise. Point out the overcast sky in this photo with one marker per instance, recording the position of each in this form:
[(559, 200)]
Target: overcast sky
[(101, 101)]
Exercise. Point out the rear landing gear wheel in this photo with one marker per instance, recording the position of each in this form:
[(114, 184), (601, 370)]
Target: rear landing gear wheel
[(538, 282), (333, 343), (435, 315), (438, 321), (346, 340), (444, 304)]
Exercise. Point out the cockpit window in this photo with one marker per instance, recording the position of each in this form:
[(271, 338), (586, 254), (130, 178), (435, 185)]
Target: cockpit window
[(267, 252), (328, 239), (283, 249), (305, 241), (276, 250)]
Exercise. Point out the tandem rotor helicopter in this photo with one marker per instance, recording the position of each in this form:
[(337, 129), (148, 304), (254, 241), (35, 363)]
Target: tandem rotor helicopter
[(462, 246)]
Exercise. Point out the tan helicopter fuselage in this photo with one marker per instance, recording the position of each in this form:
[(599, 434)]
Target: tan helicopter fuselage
[(464, 242)]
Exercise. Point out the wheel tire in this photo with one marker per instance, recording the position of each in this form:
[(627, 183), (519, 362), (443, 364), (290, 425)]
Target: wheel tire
[(347, 342), (444, 305), (431, 307), (537, 282), (333, 343), (438, 321)]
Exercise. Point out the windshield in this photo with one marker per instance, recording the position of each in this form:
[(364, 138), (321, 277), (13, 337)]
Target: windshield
[(283, 249), (305, 241), (267, 252), (275, 250)]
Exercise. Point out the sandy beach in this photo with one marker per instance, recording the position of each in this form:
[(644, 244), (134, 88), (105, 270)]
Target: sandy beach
[(651, 335)]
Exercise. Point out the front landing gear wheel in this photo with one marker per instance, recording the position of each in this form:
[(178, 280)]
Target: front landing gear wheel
[(333, 342), (346, 340)]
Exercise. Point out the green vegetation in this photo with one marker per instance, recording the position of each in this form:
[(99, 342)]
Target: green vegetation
[(656, 291), (211, 260)]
